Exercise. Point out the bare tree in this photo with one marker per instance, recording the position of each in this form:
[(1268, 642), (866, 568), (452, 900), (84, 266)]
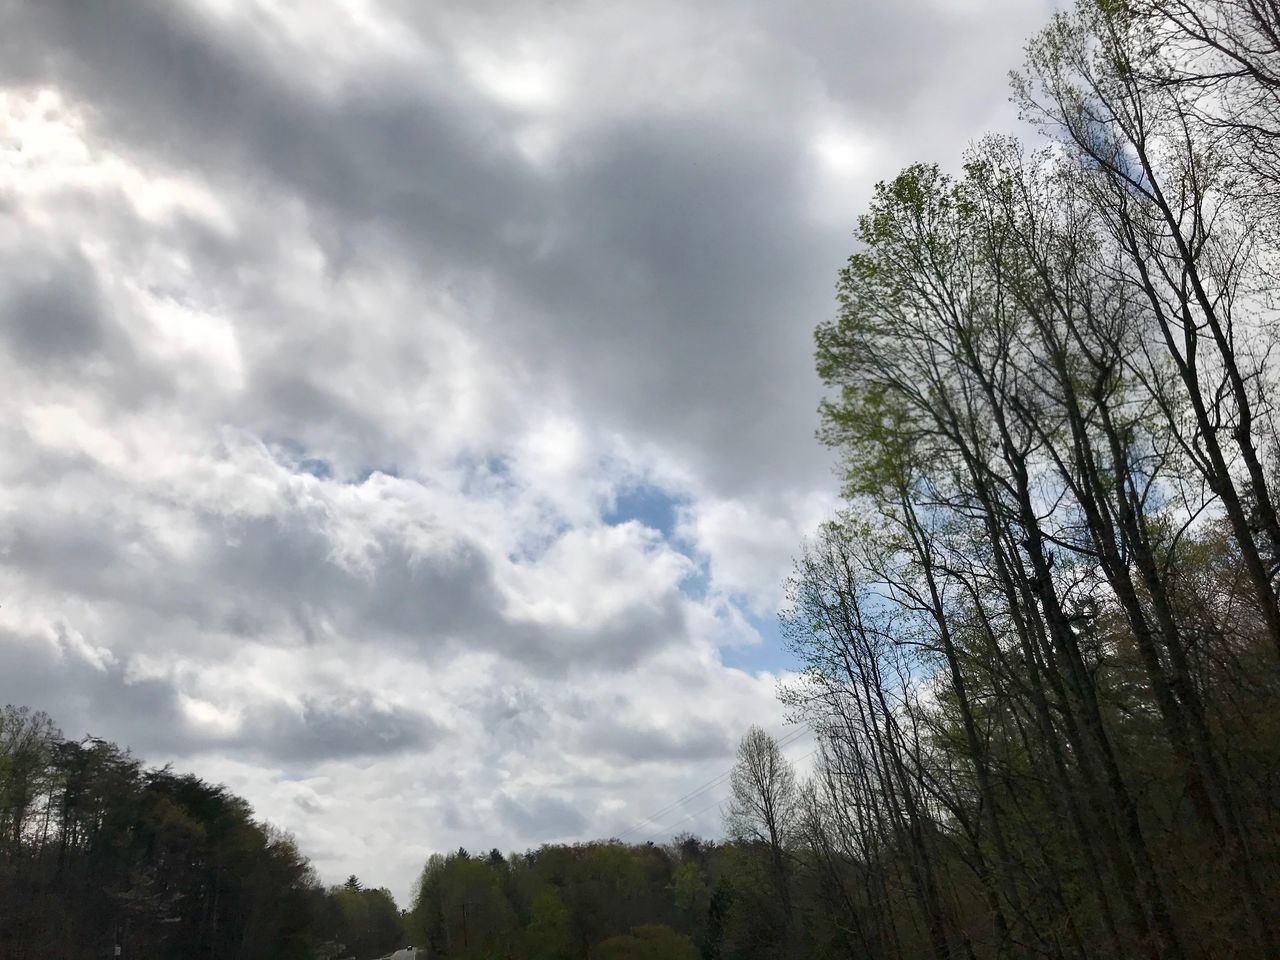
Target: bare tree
[(763, 804)]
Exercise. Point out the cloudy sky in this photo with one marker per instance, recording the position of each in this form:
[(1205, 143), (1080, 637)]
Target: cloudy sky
[(409, 408)]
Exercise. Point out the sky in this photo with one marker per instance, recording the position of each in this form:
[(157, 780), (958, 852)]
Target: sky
[(409, 407)]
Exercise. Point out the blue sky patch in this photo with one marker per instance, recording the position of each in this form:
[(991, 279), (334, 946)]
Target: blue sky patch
[(317, 467), (646, 504), (771, 654)]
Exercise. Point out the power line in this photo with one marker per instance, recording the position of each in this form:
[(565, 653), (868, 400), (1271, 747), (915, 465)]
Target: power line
[(714, 803)]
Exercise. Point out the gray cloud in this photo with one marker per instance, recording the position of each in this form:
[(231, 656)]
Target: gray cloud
[(54, 317), (61, 325), (89, 699), (634, 742), (100, 698), (337, 728), (277, 579), (540, 816), (246, 265), (681, 268)]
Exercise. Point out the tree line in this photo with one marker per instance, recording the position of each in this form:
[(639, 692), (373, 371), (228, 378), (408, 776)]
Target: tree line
[(99, 853), (1042, 643), (1040, 646)]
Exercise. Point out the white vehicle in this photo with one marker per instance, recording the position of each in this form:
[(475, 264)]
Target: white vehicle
[(409, 953)]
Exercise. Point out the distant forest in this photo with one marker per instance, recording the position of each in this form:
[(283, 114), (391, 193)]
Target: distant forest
[(1040, 646), (97, 852)]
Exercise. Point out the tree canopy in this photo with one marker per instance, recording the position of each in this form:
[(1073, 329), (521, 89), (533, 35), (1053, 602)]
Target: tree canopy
[(1039, 644)]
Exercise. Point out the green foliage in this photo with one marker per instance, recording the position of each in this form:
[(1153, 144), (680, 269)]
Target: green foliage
[(462, 906), (549, 935), (1041, 388), (1040, 646), (569, 902), (98, 851), (648, 942), (690, 891), (364, 921)]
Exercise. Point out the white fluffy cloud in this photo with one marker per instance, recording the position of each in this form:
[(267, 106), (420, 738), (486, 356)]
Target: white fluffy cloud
[(408, 405)]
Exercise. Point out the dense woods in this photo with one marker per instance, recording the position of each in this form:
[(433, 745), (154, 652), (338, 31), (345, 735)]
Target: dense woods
[(1043, 645), (1040, 647), (97, 852)]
